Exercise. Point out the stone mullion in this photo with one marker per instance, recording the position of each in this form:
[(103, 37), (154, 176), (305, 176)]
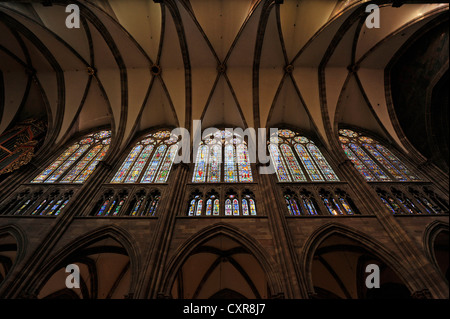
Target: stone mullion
[(24, 284), (437, 177), (163, 233), (284, 247), (421, 274)]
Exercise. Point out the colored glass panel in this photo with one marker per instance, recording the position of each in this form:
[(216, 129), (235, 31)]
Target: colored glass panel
[(348, 133), (88, 171), (358, 164), (235, 207), (136, 207), (154, 206), (199, 207), (387, 165), (192, 207), (230, 175), (138, 166), (309, 206), (278, 162), (252, 207), (88, 140), (301, 139), (39, 207), (201, 164), (154, 164), (394, 205), (111, 208), (46, 208), (214, 164), (374, 168), (336, 206), (216, 210), (22, 208), (346, 206), (62, 207), (288, 205), (245, 210), (364, 139), (209, 207), (102, 134), (228, 207), (427, 205), (405, 204), (73, 173), (388, 154), (386, 203), (123, 170), (245, 170), (295, 207), (54, 207), (164, 171), (308, 163), (294, 167), (44, 174), (118, 207), (344, 140), (161, 134), (147, 141), (328, 204), (286, 133), (103, 207), (57, 174), (322, 163)]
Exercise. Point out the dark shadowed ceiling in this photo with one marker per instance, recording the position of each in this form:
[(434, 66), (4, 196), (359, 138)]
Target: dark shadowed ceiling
[(420, 93)]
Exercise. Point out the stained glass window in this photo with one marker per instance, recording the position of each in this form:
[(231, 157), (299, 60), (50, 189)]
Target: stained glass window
[(235, 207), (306, 152), (374, 168), (201, 164), (309, 206), (209, 205), (358, 164), (78, 161), (199, 207), (215, 158), (278, 162), (245, 207), (294, 167), (216, 210), (229, 168), (252, 207), (222, 147), (163, 173), (228, 207), (373, 160), (150, 160), (245, 170), (322, 163), (308, 163)]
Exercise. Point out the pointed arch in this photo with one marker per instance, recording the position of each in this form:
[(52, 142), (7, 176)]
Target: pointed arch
[(432, 231), (64, 255), (21, 242), (372, 246), (248, 243)]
